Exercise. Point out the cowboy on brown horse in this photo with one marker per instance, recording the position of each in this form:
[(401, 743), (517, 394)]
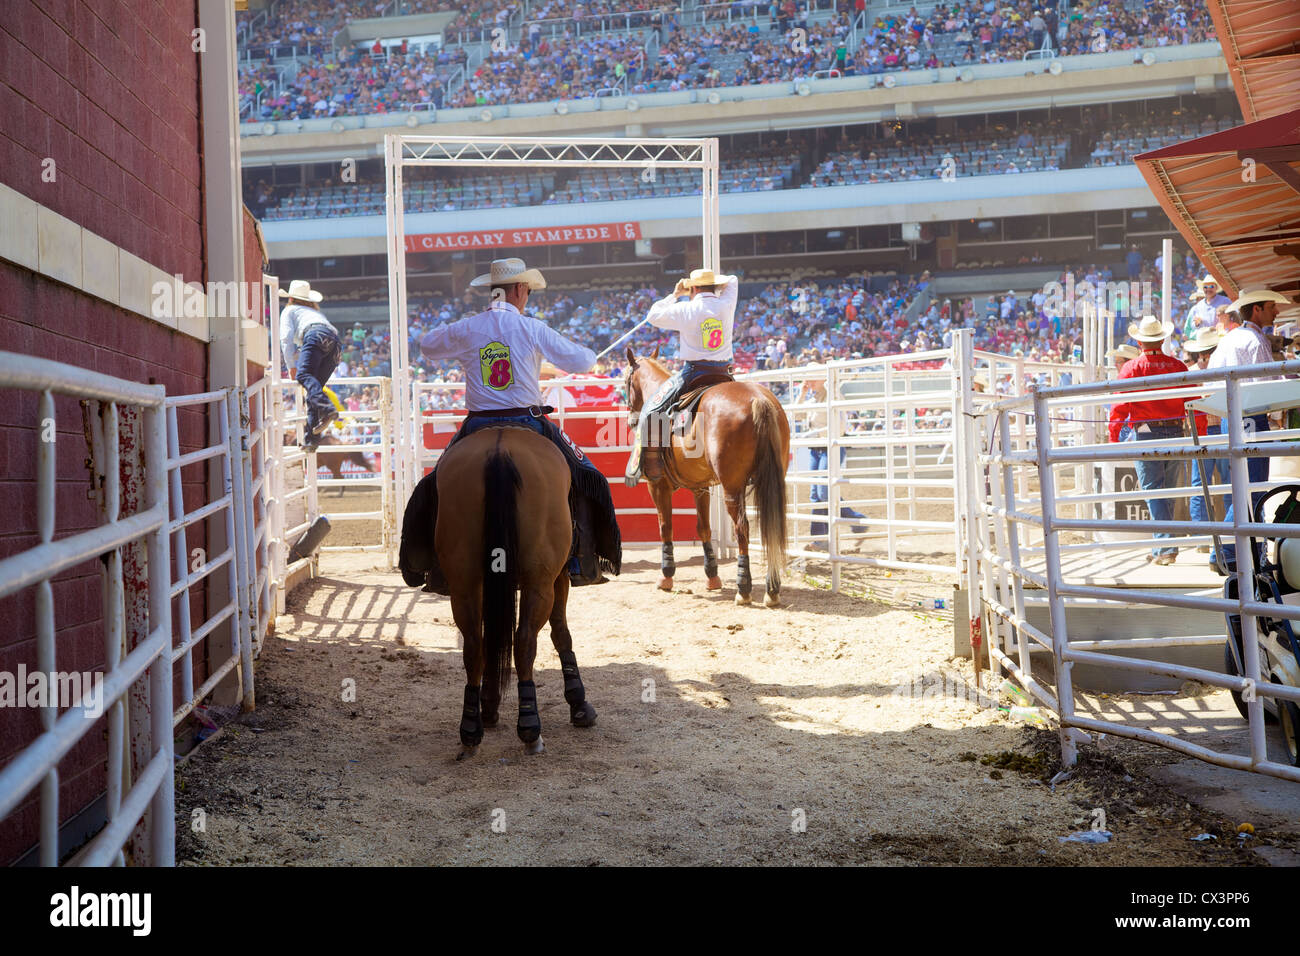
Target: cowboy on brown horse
[(501, 350), (702, 308)]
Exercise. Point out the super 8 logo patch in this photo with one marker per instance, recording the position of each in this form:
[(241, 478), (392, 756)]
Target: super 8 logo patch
[(711, 334), (494, 366)]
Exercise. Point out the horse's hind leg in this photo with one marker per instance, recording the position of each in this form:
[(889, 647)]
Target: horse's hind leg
[(705, 533), (581, 713), (534, 609), (736, 508), (466, 611)]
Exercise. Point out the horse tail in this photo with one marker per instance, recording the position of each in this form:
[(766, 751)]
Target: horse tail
[(769, 481), (500, 561)]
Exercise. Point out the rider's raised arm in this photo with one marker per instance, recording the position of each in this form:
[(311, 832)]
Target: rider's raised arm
[(668, 313), (446, 341), (562, 352)]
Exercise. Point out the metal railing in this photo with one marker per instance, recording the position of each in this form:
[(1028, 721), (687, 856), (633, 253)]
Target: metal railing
[(380, 418), (1022, 547), (137, 618)]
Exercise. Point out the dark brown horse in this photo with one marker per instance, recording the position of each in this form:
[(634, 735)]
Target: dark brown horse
[(503, 527), (740, 436)]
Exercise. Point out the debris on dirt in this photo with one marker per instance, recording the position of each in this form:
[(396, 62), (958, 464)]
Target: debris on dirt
[(968, 756), (1035, 766), (1087, 836)]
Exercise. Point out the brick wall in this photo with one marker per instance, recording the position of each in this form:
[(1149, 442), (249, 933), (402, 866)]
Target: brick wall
[(109, 92)]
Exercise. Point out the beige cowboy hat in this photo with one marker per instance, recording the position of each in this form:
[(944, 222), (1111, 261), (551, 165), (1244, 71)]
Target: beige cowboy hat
[(508, 271), (1208, 280), (301, 289), (1198, 294), (1122, 353), (1150, 329), (1250, 296), (706, 277), (1204, 340)]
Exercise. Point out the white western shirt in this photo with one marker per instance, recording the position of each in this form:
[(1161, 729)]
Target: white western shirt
[(1244, 345), (501, 352), (295, 319), (704, 322)]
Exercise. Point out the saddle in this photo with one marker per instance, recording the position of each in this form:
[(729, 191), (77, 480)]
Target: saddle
[(684, 408)]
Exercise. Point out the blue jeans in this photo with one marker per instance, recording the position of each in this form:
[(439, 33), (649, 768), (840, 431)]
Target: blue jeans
[(1215, 472), (317, 360), (1156, 474), (1257, 470), (820, 493)]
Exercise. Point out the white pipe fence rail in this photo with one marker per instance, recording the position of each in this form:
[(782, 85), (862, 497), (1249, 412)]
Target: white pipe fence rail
[(1016, 530), (136, 648)]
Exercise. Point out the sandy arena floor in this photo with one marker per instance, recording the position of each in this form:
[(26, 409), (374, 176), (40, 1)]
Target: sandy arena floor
[(809, 734)]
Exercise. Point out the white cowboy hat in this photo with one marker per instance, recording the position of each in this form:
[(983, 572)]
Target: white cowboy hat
[(1204, 340), (508, 271), (1123, 353), (301, 289), (1249, 296), (1150, 329), (1208, 280)]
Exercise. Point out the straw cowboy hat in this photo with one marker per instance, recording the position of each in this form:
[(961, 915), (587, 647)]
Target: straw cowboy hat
[(301, 289), (1122, 353), (1204, 340), (1208, 280), (705, 277), (1150, 329), (1250, 296), (507, 272)]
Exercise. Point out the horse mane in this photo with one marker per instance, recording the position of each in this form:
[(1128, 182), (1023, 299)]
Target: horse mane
[(654, 363)]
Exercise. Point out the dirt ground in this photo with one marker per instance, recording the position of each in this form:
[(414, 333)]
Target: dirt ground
[(835, 729)]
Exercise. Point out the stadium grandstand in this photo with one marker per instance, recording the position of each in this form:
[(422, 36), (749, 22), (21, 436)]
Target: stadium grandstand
[(888, 172)]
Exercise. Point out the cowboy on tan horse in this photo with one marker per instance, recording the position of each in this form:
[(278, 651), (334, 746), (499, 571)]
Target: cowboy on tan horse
[(704, 322), (501, 350)]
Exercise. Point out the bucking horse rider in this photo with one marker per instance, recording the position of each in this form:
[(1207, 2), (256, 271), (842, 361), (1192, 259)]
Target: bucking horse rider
[(501, 351), (702, 309)]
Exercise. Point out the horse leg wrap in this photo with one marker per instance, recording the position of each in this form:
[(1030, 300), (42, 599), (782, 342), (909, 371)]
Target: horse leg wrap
[(530, 722), (666, 563), (471, 720), (581, 713), (710, 562), (744, 583)]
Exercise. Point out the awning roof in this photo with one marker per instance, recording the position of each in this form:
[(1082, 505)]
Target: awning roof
[(1235, 197), (1261, 42)]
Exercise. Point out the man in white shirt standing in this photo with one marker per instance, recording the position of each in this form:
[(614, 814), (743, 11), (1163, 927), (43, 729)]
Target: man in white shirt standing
[(704, 322), (311, 348), (1202, 314), (1245, 344), (501, 351)]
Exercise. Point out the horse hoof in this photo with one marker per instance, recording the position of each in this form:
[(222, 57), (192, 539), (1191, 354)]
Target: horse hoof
[(584, 716), (743, 599), (536, 747), (466, 752), (666, 584), (772, 600), (715, 584)]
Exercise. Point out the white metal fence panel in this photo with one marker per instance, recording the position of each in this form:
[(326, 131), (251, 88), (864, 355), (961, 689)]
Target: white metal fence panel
[(1011, 565), (139, 795)]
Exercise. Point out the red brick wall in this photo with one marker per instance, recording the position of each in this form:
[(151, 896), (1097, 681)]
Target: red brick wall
[(109, 91)]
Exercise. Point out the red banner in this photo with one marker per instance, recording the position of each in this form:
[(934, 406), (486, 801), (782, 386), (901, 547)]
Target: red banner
[(516, 238)]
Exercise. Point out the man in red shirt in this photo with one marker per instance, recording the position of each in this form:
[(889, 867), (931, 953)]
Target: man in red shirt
[(1151, 421)]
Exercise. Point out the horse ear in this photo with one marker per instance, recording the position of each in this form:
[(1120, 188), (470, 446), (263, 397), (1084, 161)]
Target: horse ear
[(631, 358), (655, 353)]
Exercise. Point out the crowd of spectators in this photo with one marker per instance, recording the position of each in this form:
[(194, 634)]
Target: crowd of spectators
[(537, 66)]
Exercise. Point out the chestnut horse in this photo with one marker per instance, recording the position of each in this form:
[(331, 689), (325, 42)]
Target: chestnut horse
[(502, 527), (740, 436)]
